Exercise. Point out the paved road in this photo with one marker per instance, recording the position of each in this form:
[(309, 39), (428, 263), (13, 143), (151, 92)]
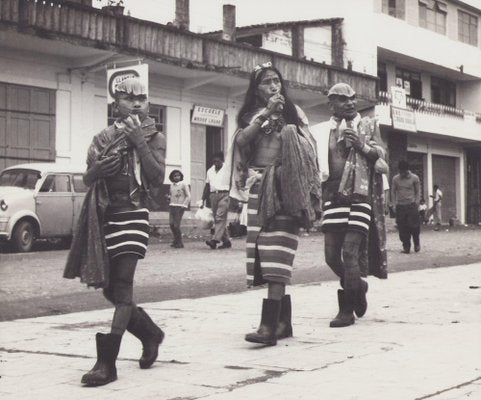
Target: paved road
[(32, 284)]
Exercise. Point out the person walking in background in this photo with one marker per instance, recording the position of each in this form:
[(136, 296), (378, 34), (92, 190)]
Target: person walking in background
[(423, 207), (274, 160), (351, 161), (437, 197), (406, 197), (124, 161), (179, 202), (218, 194)]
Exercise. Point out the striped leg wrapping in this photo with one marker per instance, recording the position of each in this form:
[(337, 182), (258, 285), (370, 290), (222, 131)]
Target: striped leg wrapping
[(270, 250)]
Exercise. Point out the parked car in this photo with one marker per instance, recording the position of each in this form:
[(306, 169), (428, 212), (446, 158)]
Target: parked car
[(39, 200)]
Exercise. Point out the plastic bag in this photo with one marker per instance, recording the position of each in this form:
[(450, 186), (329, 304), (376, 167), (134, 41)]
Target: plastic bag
[(205, 218)]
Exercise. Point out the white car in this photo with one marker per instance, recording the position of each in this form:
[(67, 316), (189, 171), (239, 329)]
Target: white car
[(39, 200)]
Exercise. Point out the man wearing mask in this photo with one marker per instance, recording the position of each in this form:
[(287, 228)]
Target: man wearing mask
[(351, 166)]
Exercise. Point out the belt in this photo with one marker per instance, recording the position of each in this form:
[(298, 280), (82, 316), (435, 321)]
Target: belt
[(219, 191)]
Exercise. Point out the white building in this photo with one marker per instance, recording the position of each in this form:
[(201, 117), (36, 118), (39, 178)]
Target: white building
[(53, 81)]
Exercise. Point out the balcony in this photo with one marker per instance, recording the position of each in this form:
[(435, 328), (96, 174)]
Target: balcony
[(196, 55), (435, 118)]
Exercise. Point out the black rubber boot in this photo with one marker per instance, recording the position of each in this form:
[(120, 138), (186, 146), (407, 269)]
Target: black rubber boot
[(104, 370), (151, 336), (284, 328), (360, 306), (345, 316), (266, 334)]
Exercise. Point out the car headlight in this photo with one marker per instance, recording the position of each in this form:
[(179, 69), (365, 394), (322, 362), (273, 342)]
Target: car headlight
[(3, 205)]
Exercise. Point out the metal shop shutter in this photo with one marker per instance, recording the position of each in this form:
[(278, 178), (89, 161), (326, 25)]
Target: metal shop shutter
[(27, 124)]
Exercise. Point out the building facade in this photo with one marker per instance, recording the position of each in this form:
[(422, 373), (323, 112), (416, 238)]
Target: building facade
[(53, 82), (432, 50)]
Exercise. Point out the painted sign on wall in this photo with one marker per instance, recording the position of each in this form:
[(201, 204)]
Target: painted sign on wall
[(208, 116)]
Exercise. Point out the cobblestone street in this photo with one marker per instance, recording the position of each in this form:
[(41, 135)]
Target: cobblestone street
[(32, 283)]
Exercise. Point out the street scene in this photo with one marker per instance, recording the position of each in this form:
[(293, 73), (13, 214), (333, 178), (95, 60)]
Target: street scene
[(240, 200)]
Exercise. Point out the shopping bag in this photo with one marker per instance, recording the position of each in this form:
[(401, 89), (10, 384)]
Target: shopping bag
[(205, 217)]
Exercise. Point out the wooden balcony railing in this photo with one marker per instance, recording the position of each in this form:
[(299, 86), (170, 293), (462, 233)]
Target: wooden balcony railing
[(430, 108), (93, 27)]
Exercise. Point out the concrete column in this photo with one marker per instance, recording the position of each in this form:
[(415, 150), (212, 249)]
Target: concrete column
[(429, 183), (182, 14), (461, 188), (337, 47), (297, 41), (228, 22)]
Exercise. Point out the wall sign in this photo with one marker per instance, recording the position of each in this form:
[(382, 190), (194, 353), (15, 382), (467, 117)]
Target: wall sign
[(117, 75), (398, 97), (208, 116), (403, 119)]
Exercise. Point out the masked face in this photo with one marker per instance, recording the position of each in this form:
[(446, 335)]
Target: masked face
[(269, 85), (343, 107), (127, 104)]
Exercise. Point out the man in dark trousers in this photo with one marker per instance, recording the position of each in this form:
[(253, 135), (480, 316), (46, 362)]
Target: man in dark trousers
[(406, 196)]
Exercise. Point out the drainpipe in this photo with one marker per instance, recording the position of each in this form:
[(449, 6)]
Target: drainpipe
[(228, 25)]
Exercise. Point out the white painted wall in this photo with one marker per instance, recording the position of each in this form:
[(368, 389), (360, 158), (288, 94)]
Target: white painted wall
[(318, 44)]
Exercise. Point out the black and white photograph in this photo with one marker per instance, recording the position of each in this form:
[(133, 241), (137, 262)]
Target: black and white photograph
[(240, 199)]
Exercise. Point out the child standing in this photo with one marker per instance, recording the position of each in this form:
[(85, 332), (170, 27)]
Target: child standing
[(422, 211), (179, 201)]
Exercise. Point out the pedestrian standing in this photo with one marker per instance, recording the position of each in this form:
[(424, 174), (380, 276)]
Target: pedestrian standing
[(218, 191), (124, 162), (351, 163), (437, 197), (406, 197), (179, 202), (274, 160)]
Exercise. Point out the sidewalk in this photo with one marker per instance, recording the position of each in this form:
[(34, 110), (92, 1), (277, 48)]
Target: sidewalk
[(420, 339)]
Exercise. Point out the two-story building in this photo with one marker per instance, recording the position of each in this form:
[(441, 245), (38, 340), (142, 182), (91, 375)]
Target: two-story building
[(53, 91), (432, 50)]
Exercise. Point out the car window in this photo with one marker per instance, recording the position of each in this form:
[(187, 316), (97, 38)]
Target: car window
[(78, 184), (20, 178), (56, 183)]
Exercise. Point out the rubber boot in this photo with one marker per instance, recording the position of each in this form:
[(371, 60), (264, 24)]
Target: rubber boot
[(104, 370), (360, 306), (266, 334), (345, 316), (151, 336), (284, 328)]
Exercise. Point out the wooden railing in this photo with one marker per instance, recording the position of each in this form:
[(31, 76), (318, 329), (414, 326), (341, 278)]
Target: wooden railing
[(430, 108), (97, 28)]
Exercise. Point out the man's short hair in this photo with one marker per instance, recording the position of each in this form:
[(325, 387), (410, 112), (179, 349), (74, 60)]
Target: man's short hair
[(219, 155), (403, 165)]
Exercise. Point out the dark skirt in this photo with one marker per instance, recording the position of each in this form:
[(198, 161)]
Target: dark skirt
[(127, 232)]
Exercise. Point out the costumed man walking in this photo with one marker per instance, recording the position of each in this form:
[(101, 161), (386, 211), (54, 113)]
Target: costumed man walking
[(351, 165), (406, 195), (216, 193), (124, 162), (273, 159)]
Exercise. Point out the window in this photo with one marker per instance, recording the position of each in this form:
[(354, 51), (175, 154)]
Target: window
[(382, 75), (467, 28), (432, 15), (156, 112), (394, 8), (443, 92), (20, 178), (411, 82), (56, 183), (78, 184)]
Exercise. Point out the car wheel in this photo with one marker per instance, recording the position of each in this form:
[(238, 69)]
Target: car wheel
[(23, 237)]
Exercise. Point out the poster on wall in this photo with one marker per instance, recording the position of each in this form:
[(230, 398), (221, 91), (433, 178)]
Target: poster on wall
[(118, 75), (208, 116), (407, 87)]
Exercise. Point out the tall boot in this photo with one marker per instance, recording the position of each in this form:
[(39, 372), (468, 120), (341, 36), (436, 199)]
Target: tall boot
[(266, 334), (360, 305), (345, 316), (284, 329), (151, 336), (104, 370)]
